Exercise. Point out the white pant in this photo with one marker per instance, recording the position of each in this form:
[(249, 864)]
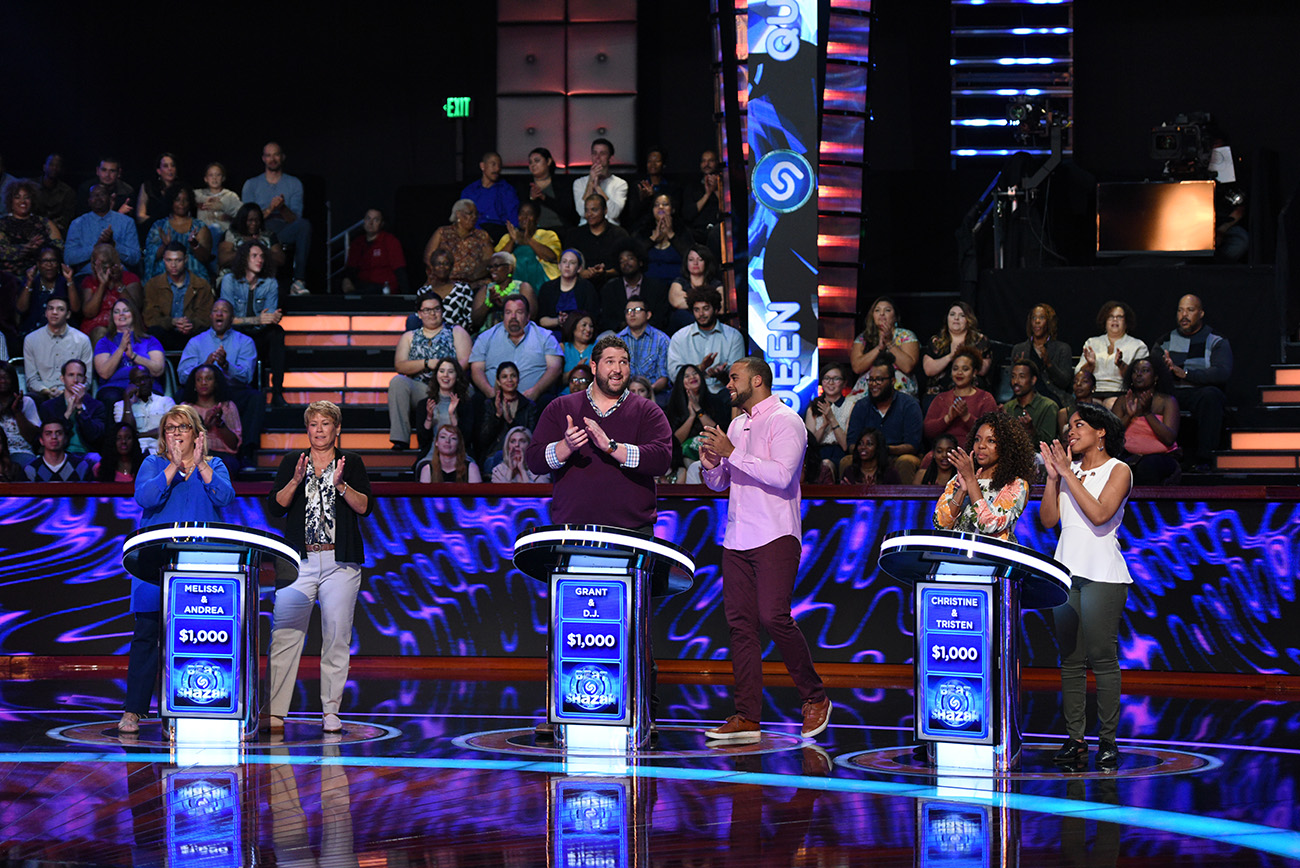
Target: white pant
[(335, 585)]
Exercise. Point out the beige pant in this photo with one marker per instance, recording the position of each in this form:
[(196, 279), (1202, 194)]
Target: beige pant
[(404, 395), (335, 585)]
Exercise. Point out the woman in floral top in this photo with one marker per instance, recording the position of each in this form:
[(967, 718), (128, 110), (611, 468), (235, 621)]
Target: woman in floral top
[(991, 487)]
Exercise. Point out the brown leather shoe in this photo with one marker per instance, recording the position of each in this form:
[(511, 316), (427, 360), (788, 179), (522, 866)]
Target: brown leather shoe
[(815, 717), (735, 728)]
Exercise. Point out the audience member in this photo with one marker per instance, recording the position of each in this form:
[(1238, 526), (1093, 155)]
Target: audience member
[(699, 272), (513, 467), (960, 330), (55, 463), (597, 240), (448, 403), (1053, 357), (48, 278), (108, 174), (469, 246), (1082, 387), (500, 285), (101, 225), (646, 345), (55, 199), (702, 208), (955, 411), (101, 289), (447, 461), (536, 251), (640, 386), (279, 195), (1036, 413), (457, 296), (649, 187), (248, 225), (143, 408), (549, 193), (154, 200), (20, 421), (507, 409), (558, 298), (217, 205), (1201, 363), (579, 334), (207, 392), (535, 352), (1108, 355), (632, 281), (46, 349), (706, 343), (937, 468), (177, 303), (578, 378), (10, 470), (1150, 418), (827, 419), (375, 264), (255, 300), (415, 361), (611, 189), (495, 199), (180, 225), (870, 462), (691, 408), (125, 454), (883, 334), (235, 354), (989, 492), (23, 232), (666, 240), (85, 419), (897, 414), (126, 344)]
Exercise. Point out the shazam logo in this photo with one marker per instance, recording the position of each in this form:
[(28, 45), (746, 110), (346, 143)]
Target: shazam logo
[(590, 689), (783, 181), (956, 705), (203, 682)]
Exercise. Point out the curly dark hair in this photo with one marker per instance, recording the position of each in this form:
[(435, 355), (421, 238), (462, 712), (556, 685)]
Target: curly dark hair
[(1015, 449), (1130, 318), (1052, 320), (1164, 380), (1098, 418)]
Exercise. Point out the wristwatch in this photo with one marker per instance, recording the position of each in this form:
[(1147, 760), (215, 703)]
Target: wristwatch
[(613, 446)]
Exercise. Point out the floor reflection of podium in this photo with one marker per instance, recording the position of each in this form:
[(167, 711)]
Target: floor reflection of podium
[(970, 589), (210, 574), (601, 582)]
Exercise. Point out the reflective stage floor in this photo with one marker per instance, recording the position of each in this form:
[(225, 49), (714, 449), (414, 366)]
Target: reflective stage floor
[(445, 773)]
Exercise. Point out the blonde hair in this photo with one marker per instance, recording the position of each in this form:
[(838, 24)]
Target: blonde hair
[(189, 415), (328, 409)]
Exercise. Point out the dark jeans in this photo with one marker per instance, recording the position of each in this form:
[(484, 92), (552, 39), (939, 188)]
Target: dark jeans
[(1087, 629), (270, 349), (757, 585), (1206, 404), (142, 665)]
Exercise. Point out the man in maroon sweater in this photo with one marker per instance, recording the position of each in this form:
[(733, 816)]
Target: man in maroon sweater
[(604, 447)]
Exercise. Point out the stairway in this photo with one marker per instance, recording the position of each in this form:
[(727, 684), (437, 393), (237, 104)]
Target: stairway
[(1270, 447), (339, 348)]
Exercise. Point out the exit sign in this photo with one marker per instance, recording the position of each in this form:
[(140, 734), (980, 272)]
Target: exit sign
[(458, 107)]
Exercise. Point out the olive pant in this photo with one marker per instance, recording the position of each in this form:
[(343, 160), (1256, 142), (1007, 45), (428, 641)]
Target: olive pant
[(1087, 628)]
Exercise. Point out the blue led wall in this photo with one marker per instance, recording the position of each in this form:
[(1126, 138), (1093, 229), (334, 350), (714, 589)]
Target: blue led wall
[(1215, 586)]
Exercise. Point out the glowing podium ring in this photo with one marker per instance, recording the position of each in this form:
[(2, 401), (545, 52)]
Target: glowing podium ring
[(147, 549), (910, 556), (672, 567)]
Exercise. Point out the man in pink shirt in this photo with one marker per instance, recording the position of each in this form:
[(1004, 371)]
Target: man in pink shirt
[(761, 457)]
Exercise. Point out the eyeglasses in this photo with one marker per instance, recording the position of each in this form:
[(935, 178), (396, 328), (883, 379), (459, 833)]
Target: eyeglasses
[(879, 379), (832, 379), (636, 310), (430, 310), (579, 381), (178, 429)]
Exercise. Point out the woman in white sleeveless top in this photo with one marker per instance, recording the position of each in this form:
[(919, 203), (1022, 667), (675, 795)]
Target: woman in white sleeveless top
[(1085, 491)]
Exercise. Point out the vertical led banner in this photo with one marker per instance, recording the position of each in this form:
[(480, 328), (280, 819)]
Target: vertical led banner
[(783, 134)]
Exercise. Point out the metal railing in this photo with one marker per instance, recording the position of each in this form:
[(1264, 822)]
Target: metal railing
[(336, 248)]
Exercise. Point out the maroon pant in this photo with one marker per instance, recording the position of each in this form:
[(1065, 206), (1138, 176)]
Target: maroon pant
[(757, 585)]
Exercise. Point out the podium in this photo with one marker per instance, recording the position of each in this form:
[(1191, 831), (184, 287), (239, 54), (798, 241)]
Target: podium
[(969, 592), (210, 574), (601, 581)]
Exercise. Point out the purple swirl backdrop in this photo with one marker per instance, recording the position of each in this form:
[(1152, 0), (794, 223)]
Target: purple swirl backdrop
[(1215, 587)]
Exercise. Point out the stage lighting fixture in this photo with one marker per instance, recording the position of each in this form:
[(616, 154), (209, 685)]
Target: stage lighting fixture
[(1184, 145), (1029, 117)]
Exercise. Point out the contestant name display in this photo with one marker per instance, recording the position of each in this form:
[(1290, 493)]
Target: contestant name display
[(204, 617), (590, 661), (954, 679)]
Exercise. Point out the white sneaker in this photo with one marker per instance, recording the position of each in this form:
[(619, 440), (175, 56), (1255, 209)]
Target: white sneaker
[(298, 288)]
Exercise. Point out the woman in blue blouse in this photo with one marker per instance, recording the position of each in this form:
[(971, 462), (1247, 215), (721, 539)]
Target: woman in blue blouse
[(124, 347), (174, 484), (180, 225)]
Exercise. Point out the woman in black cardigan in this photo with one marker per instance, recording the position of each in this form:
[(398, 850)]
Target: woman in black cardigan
[(322, 491)]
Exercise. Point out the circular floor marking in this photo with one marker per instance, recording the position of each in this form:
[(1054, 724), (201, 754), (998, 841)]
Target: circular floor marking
[(297, 733), (1035, 764), (674, 742)]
